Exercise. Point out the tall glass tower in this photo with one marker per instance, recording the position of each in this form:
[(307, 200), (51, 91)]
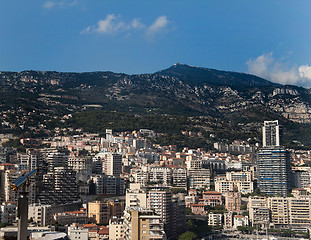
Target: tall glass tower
[(273, 162)]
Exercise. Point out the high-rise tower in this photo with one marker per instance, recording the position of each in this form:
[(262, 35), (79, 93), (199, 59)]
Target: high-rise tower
[(271, 132), (273, 162)]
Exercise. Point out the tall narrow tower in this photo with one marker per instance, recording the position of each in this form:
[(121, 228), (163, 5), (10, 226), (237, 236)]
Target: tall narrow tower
[(271, 132), (273, 162), (114, 164)]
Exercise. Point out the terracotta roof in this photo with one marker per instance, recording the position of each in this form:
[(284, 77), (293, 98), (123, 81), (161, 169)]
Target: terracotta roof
[(75, 212), (89, 225), (104, 231), (212, 192), (197, 205), (172, 166)]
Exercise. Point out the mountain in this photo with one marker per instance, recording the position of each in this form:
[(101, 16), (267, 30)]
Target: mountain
[(214, 77), (30, 98)]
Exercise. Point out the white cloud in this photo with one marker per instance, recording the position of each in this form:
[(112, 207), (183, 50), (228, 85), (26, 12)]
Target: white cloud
[(159, 24), (305, 71), (59, 4), (49, 4), (113, 24), (86, 30), (136, 24), (267, 67), (107, 25)]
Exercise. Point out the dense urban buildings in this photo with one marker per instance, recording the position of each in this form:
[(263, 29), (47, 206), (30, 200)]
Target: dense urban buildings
[(122, 187)]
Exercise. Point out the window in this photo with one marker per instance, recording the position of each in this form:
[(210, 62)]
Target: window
[(143, 231), (144, 225)]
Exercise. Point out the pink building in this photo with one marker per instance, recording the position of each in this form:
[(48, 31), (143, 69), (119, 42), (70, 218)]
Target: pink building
[(198, 209), (212, 198)]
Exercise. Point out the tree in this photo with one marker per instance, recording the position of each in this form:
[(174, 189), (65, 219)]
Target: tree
[(188, 211), (84, 152), (243, 207), (242, 229), (191, 225), (187, 236)]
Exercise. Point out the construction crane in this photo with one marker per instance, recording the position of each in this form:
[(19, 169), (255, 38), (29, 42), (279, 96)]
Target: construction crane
[(22, 203)]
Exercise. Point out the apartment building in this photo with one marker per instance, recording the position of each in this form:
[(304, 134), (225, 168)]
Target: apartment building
[(135, 196), (8, 211), (108, 185), (274, 173), (180, 178), (116, 229), (199, 178), (161, 202), (141, 223), (215, 219), (162, 175), (240, 221), (228, 220), (100, 211), (80, 163), (294, 211), (233, 201), (235, 181), (41, 214), (259, 213), (212, 198), (59, 186), (114, 164)]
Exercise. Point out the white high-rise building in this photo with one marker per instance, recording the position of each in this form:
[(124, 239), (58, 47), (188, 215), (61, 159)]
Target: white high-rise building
[(161, 202), (271, 134)]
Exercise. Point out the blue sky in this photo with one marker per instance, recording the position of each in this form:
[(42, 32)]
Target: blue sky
[(269, 38)]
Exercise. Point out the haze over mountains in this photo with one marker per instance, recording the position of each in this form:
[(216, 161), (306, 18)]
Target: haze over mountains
[(181, 89)]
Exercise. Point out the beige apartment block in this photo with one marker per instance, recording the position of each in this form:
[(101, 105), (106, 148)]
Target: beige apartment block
[(116, 230), (240, 181), (290, 211), (233, 201), (258, 210), (142, 224), (135, 198), (100, 212)]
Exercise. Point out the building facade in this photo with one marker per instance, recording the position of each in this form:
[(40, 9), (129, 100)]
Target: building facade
[(274, 173)]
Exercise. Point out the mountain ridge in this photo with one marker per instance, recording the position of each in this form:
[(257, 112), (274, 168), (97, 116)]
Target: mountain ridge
[(236, 98), (178, 69)]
